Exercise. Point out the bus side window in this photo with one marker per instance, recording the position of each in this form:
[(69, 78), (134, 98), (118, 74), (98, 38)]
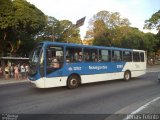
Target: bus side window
[(142, 56), (116, 55), (104, 56), (127, 56), (86, 56), (136, 57), (73, 54), (90, 55)]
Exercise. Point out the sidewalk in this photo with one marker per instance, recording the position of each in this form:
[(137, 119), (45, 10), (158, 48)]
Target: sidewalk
[(11, 81), (153, 68)]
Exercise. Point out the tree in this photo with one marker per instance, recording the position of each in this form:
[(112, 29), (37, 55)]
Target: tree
[(157, 48), (68, 32), (28, 21), (153, 22), (138, 40), (6, 23), (100, 34), (59, 31), (19, 24), (133, 39), (51, 30), (111, 20), (103, 25)]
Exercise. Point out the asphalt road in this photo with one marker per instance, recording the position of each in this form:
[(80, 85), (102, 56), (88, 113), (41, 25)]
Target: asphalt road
[(94, 101)]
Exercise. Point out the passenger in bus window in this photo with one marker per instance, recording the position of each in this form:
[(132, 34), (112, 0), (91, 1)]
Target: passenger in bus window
[(96, 59), (67, 59), (80, 58), (100, 58), (76, 56), (87, 57), (55, 63)]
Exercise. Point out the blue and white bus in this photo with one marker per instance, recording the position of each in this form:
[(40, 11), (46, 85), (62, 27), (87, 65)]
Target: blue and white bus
[(54, 64)]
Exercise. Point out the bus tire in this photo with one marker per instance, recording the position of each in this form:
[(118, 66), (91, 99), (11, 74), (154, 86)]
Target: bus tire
[(73, 81), (127, 75)]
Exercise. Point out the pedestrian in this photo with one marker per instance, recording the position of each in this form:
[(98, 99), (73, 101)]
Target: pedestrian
[(27, 69), (16, 72), (151, 60), (1, 71), (11, 71), (6, 69), (23, 71)]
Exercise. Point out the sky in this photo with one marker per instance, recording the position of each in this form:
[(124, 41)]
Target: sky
[(137, 11)]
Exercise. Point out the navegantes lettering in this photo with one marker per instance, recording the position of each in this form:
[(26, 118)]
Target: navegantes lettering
[(97, 67)]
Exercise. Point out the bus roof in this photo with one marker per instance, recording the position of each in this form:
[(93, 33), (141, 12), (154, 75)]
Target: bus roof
[(88, 46)]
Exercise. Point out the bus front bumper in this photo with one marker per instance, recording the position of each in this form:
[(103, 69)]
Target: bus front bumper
[(37, 83)]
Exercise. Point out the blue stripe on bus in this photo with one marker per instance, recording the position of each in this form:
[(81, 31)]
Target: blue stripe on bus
[(89, 68)]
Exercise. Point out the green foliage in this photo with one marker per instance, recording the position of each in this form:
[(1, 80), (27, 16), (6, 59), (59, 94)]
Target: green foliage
[(157, 48), (50, 31), (68, 32), (153, 22), (150, 42), (28, 17), (133, 39), (100, 33), (19, 22), (104, 26), (109, 29), (59, 31), (6, 19), (111, 20), (6, 14)]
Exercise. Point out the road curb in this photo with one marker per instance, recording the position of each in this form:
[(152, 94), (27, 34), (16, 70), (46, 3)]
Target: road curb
[(5, 82)]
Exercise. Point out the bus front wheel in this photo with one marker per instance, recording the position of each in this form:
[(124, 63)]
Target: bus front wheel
[(73, 81), (127, 75)]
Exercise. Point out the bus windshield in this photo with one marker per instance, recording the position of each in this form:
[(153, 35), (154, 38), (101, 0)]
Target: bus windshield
[(34, 59)]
